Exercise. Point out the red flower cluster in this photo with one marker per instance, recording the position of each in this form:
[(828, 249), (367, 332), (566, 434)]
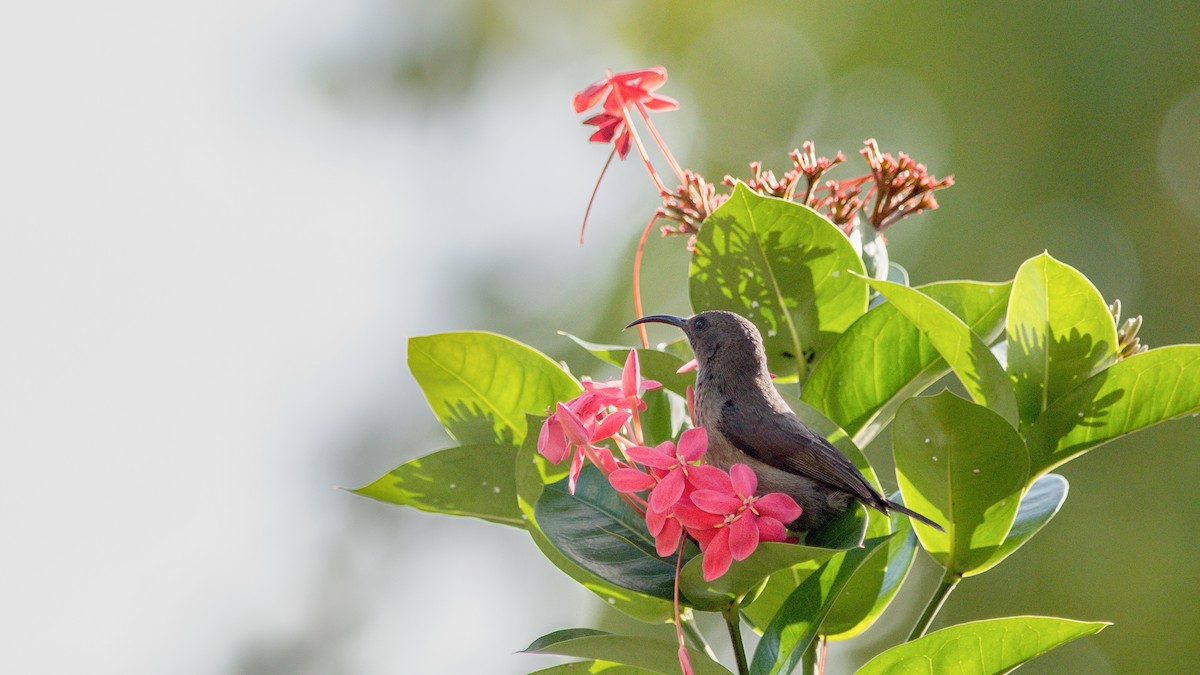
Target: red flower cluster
[(620, 92), (719, 510)]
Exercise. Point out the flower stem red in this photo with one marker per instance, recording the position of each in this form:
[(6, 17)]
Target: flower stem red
[(595, 189), (637, 279)]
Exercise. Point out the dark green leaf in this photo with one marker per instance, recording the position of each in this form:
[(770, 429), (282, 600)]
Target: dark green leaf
[(1038, 505), (656, 656), (769, 558), (473, 480), (967, 354), (1133, 394), (598, 531), (799, 619), (785, 268), (965, 467), (980, 647), (883, 359), (533, 473), (480, 385), (1059, 333)]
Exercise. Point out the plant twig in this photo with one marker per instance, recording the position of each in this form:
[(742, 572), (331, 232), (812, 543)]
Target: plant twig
[(733, 619), (949, 581)]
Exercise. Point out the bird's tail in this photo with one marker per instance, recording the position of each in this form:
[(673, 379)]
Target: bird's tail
[(909, 512)]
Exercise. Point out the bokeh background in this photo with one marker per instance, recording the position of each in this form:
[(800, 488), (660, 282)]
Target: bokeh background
[(221, 220)]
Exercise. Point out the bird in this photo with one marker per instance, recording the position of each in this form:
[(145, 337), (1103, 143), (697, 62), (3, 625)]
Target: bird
[(748, 422)]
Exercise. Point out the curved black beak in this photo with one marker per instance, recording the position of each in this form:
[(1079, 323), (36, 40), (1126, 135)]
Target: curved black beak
[(671, 319)]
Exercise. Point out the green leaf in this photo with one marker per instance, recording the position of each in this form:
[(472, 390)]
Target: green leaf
[(980, 647), (874, 585), (598, 531), (967, 354), (472, 480), (883, 360), (480, 385), (533, 473), (656, 656), (1039, 504), (742, 577), (1059, 333), (784, 267), (799, 619), (964, 466), (656, 365), (1133, 394), (590, 667)]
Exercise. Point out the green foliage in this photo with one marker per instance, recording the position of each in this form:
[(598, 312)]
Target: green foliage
[(979, 467), (1059, 333), (471, 480), (785, 268), (963, 465), (883, 359), (654, 656), (980, 647), (480, 385)]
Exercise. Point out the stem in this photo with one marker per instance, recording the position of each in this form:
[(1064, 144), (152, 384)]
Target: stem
[(661, 145), (949, 581), (595, 189), (695, 637), (637, 280), (733, 623), (808, 661)]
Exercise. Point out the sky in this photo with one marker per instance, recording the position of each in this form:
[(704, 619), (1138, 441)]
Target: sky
[(208, 270)]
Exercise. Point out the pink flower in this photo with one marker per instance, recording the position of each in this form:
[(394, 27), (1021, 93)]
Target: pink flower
[(622, 90), (674, 462), (729, 521), (626, 393)]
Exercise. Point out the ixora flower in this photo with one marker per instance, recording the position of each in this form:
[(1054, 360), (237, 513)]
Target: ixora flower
[(597, 415), (621, 90), (729, 521)]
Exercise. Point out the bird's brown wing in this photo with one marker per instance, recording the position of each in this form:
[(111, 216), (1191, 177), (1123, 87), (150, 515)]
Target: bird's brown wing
[(785, 443)]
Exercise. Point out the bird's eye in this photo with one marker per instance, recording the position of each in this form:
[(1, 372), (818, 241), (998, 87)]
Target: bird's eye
[(700, 323)]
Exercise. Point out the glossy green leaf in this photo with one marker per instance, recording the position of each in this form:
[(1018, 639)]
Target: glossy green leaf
[(533, 473), (965, 467), (967, 354), (598, 531), (656, 365), (883, 359), (1060, 332), (980, 647), (480, 385), (656, 656), (798, 621), (743, 576), (591, 667), (1039, 504), (785, 268), (473, 480), (1133, 394), (874, 585)]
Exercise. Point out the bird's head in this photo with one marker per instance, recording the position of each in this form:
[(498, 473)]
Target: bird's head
[(718, 337)]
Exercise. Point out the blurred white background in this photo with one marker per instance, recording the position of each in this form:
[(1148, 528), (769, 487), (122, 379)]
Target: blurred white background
[(208, 270)]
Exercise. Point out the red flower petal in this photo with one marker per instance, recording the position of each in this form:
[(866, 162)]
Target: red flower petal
[(661, 457), (716, 502), (745, 482), (693, 443), (576, 467), (552, 442), (631, 375), (779, 506), (630, 480), (743, 536), (591, 95), (717, 557), (666, 541), (572, 425), (770, 529), (696, 520), (709, 477), (609, 427), (668, 491)]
